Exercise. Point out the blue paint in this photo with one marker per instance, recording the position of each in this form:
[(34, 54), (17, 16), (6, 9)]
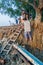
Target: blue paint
[(30, 55), (16, 21)]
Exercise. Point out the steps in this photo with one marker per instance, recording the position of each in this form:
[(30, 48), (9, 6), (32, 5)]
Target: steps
[(6, 45)]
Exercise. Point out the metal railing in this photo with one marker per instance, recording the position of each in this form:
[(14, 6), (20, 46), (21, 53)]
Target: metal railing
[(28, 55)]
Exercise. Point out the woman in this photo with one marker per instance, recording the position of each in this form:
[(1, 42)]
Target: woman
[(27, 28)]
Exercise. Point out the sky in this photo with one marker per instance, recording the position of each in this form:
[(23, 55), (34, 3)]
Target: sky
[(4, 20)]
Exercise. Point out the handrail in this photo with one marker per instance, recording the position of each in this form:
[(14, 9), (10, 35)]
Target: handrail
[(28, 55)]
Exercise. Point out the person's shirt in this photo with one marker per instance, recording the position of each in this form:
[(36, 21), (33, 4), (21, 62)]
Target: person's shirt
[(22, 19), (16, 21), (27, 27)]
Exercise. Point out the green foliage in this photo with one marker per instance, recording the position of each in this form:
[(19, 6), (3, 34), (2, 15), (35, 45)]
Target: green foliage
[(10, 11), (31, 1), (6, 5), (37, 3), (1, 5), (31, 10)]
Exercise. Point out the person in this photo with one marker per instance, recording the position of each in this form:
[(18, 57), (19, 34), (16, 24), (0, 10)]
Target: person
[(16, 21), (1, 61), (27, 28), (21, 19), (22, 15)]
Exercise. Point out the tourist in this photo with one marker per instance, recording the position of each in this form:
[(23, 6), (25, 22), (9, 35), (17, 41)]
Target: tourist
[(19, 19), (22, 15), (27, 28), (1, 61)]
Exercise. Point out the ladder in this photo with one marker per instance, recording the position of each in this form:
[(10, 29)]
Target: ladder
[(7, 46)]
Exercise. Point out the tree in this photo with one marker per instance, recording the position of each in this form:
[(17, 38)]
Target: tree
[(13, 7), (41, 14)]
